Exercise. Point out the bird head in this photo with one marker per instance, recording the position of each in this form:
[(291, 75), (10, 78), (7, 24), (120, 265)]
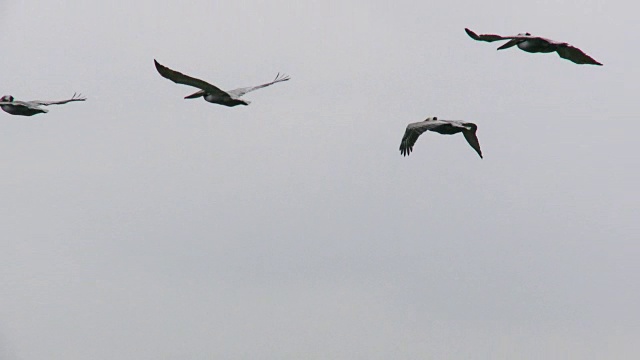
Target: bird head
[(8, 98), (431, 118)]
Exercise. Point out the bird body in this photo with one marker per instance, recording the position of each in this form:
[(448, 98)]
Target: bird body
[(225, 101), (29, 108), (536, 44), (210, 92), (445, 127)]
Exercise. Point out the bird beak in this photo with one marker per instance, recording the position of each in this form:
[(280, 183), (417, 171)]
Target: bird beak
[(195, 95), (509, 44)]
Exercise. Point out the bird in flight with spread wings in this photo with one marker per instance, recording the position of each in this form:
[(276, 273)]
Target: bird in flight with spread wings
[(536, 44), (29, 108), (446, 127), (210, 92)]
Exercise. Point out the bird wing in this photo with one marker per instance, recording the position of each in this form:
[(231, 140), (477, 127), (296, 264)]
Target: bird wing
[(411, 134), (13, 103), (472, 139), (180, 78), (23, 104), (75, 97), (576, 55), (27, 104), (241, 91), (488, 37)]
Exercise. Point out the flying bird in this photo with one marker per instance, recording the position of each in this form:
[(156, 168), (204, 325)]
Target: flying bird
[(446, 127), (210, 92), (29, 108), (536, 44)]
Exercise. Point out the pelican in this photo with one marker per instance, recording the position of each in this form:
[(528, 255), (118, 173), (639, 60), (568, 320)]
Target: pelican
[(29, 108), (210, 92), (446, 127), (536, 44)]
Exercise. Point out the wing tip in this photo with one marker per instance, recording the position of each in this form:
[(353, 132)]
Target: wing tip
[(159, 66), (282, 77), (405, 151), (471, 34), (78, 97)]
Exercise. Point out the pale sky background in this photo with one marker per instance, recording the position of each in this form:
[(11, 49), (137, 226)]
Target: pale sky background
[(138, 225)]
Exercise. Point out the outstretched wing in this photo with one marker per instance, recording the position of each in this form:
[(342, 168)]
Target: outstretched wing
[(488, 37), (75, 97), (180, 78), (411, 134), (576, 55), (241, 91), (472, 139)]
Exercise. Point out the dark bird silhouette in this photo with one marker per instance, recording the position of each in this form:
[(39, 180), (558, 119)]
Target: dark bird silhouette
[(446, 127), (210, 92), (536, 44), (29, 108)]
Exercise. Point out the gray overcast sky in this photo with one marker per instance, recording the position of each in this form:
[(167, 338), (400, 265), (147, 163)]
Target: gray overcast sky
[(138, 225)]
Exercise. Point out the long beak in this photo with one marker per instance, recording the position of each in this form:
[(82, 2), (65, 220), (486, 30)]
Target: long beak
[(510, 43), (195, 95)]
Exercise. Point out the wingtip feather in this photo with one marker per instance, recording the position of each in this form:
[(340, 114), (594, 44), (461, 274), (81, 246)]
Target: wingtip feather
[(471, 34)]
